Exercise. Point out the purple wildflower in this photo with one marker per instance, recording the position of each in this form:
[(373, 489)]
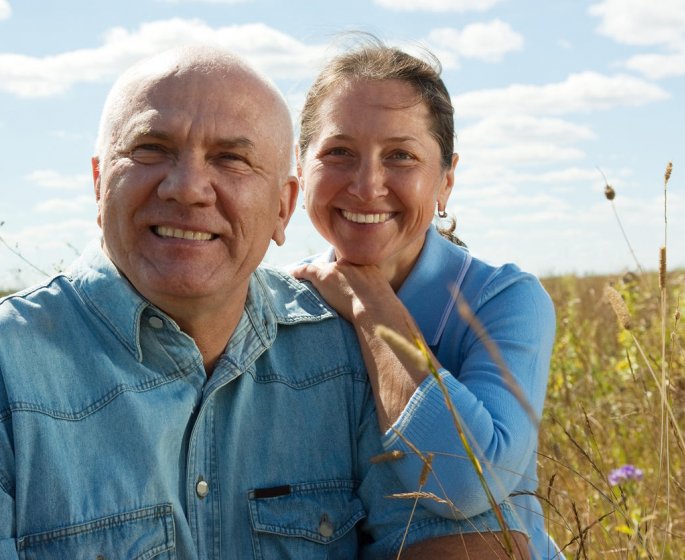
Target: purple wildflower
[(624, 474)]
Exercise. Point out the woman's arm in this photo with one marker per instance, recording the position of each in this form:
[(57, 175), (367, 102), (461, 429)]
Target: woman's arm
[(518, 317)]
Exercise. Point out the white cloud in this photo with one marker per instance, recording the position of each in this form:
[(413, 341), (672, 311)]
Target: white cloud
[(5, 9), (56, 180), (559, 180), (482, 41), (275, 53), (61, 206), (640, 23), (657, 66), (48, 246), (519, 129), (637, 22), (53, 234), (530, 153), (586, 91), (437, 5)]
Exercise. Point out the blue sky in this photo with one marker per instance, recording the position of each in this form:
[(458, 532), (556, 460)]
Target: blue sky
[(545, 93)]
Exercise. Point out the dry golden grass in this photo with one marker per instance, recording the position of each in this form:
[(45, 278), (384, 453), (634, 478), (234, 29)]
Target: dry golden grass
[(615, 397)]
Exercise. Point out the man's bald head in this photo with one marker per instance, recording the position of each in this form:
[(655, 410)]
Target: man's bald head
[(211, 61), (192, 178)]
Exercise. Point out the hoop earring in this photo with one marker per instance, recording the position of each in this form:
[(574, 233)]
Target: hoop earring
[(442, 214)]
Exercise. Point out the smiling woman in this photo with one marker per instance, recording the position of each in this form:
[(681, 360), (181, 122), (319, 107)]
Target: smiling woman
[(375, 163), (373, 174)]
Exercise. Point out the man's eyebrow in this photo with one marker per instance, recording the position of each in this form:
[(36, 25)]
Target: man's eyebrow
[(235, 142), (148, 132)]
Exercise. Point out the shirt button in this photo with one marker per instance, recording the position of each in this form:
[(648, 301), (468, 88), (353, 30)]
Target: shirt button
[(325, 526), (155, 322), (202, 488)]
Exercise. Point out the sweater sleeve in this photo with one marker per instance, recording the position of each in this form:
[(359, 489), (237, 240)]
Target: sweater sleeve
[(518, 317)]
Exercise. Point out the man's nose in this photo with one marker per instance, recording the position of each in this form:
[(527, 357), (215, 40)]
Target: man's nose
[(368, 182), (188, 182)]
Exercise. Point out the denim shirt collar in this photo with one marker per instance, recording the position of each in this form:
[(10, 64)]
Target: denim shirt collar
[(112, 297), (429, 291)]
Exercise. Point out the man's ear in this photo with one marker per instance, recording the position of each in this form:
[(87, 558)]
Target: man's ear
[(95, 166), (448, 182), (298, 160), (288, 201)]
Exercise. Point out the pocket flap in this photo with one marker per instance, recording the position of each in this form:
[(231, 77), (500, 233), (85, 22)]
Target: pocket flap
[(318, 511), (134, 535)]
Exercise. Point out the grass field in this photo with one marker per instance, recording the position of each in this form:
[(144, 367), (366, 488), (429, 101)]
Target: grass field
[(609, 397)]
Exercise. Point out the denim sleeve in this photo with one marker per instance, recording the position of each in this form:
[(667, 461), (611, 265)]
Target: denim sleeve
[(8, 548), (391, 523), (519, 319)]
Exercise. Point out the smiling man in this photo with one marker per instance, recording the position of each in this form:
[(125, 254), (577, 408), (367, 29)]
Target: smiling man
[(166, 398)]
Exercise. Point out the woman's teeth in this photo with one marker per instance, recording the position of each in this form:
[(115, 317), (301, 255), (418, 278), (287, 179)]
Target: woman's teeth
[(366, 218)]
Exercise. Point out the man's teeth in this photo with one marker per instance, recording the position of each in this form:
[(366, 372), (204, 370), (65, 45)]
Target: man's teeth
[(366, 218), (164, 231)]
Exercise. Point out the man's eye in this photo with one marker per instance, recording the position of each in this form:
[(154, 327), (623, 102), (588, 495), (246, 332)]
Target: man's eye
[(231, 160), (149, 154), (338, 151)]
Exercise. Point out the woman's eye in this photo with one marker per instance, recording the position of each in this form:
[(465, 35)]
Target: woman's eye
[(402, 155), (149, 154)]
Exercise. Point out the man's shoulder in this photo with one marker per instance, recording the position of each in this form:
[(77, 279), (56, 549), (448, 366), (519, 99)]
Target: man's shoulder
[(312, 340), (291, 300), (33, 301)]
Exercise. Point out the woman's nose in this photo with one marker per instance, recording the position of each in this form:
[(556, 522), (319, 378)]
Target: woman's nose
[(188, 182), (368, 182)]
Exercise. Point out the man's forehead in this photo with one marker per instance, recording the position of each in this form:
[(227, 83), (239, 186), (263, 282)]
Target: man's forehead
[(172, 122), (218, 103)]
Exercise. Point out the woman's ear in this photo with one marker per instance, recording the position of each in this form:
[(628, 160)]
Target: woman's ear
[(448, 182)]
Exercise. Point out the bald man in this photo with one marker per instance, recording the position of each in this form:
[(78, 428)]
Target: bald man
[(167, 398)]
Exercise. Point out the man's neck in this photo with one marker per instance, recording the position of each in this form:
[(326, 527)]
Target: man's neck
[(209, 324)]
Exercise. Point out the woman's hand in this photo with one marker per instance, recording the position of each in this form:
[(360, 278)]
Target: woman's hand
[(363, 296), (352, 290)]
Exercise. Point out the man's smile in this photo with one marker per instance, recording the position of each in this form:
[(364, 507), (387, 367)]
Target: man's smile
[(165, 231)]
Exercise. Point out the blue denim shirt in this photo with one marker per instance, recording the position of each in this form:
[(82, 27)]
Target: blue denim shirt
[(114, 444)]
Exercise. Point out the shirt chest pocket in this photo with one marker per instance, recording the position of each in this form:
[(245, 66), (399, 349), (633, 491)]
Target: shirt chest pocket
[(138, 535), (310, 520)]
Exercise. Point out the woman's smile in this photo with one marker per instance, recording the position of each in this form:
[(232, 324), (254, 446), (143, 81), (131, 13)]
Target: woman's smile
[(367, 218)]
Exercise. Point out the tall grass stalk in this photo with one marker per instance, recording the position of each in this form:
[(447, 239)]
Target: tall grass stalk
[(402, 347)]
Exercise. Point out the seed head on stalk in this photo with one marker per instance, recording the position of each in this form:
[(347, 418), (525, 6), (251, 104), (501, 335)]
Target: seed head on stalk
[(610, 194)]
